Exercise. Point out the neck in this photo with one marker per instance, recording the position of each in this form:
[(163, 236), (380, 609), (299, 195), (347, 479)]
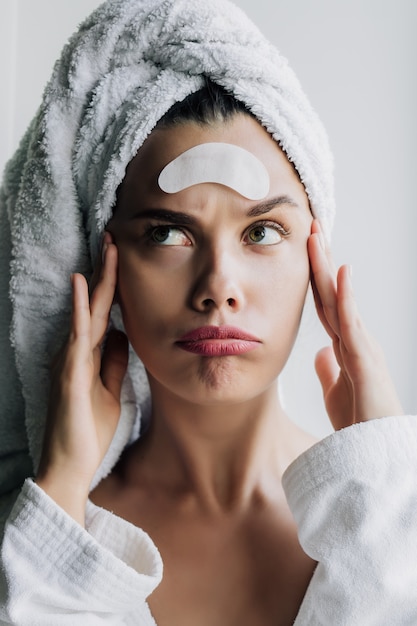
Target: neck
[(225, 456)]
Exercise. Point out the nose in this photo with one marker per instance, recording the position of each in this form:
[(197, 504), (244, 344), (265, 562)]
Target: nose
[(218, 284)]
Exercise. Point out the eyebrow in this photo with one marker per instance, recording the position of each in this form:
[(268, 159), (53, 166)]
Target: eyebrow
[(268, 205), (165, 215), (177, 217)]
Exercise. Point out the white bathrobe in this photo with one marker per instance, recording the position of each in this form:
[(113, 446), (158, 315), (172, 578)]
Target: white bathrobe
[(353, 496)]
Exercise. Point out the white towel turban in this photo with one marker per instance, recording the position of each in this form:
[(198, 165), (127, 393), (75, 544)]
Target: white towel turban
[(123, 69)]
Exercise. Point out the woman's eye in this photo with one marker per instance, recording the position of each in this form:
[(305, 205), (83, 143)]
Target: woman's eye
[(263, 235), (169, 236)]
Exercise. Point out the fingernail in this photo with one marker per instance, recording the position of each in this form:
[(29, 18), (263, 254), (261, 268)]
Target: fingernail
[(321, 239)]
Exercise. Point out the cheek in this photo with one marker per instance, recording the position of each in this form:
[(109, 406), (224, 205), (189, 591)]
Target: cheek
[(282, 285), (286, 276), (297, 282), (142, 287)]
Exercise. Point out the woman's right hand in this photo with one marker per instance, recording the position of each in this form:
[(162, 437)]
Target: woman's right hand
[(84, 406)]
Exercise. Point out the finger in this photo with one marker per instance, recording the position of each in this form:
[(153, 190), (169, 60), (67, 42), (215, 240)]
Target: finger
[(98, 268), (316, 228), (320, 310), (337, 388), (76, 354), (327, 368), (103, 295), (353, 334), (80, 319), (114, 362), (359, 350), (324, 283)]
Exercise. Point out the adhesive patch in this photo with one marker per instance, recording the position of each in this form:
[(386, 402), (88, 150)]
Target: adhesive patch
[(222, 163)]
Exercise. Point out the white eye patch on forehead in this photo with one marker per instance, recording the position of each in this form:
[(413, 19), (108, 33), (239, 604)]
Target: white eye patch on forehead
[(222, 163)]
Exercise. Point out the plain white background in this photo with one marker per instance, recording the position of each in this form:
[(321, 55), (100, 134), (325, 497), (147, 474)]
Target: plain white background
[(357, 62)]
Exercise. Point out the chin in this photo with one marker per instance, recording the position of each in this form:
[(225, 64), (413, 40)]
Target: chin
[(217, 382)]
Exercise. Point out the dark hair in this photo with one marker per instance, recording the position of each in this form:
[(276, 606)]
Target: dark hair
[(208, 105), (212, 103)]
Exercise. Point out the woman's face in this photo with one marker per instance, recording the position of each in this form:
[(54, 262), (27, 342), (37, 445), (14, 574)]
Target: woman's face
[(207, 256)]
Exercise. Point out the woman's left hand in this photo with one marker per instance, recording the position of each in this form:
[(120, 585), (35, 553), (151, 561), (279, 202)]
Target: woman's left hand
[(357, 386)]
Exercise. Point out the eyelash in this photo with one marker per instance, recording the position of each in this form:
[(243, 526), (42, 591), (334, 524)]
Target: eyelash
[(151, 228), (280, 228)]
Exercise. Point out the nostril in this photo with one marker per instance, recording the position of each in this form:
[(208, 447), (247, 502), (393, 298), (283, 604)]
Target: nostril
[(209, 303)]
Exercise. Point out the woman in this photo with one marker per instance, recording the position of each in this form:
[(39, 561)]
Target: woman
[(208, 252)]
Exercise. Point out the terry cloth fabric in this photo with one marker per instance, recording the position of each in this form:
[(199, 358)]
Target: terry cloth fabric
[(123, 69), (353, 496)]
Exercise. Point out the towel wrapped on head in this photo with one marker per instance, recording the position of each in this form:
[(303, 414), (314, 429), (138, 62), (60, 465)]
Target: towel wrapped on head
[(129, 62)]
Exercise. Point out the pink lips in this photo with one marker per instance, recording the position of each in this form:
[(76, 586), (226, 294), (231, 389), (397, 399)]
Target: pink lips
[(218, 341)]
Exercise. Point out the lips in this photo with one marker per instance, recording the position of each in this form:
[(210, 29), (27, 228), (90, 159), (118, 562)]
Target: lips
[(218, 341)]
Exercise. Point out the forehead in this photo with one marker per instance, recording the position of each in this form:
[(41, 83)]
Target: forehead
[(166, 144)]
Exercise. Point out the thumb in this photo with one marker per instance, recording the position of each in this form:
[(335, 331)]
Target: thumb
[(114, 362), (327, 369)]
